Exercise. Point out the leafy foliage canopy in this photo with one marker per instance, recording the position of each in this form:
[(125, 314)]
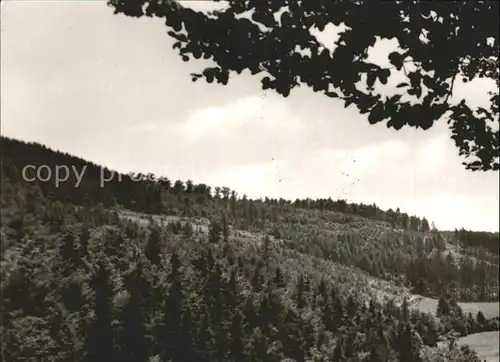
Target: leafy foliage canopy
[(438, 43)]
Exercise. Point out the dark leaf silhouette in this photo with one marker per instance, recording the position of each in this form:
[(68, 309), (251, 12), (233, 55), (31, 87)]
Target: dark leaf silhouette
[(443, 40)]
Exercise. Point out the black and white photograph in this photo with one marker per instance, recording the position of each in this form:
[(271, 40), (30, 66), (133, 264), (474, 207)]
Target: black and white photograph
[(249, 181)]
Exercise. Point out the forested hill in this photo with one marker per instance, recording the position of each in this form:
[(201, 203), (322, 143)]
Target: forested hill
[(147, 196), (139, 270)]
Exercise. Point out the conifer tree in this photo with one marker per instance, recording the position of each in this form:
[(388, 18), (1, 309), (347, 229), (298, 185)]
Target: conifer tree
[(407, 344), (443, 308), (339, 352), (279, 278), (207, 340), (405, 309), (135, 346), (68, 252), (225, 228), (186, 349), (236, 336), (375, 355), (171, 336), (257, 280), (153, 247), (301, 292), (99, 342), (83, 242), (481, 320), (214, 232)]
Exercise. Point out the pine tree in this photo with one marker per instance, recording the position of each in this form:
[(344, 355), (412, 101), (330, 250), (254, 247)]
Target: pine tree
[(408, 344), (279, 278), (481, 320), (232, 294), (301, 292), (225, 228), (135, 346), (424, 225), (257, 280), (83, 242), (266, 316), (443, 308), (338, 313), (266, 248), (219, 314), (405, 309), (376, 355), (189, 186), (99, 342), (68, 252), (250, 315), (431, 335), (214, 232), (258, 348), (233, 202), (350, 344), (207, 342), (171, 334), (380, 346), (236, 337), (186, 349), (297, 336), (153, 247), (339, 353), (326, 316), (351, 306)]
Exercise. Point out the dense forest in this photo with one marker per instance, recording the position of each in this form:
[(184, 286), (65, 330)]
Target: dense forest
[(214, 276)]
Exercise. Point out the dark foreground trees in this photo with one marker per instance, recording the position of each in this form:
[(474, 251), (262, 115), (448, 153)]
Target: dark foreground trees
[(440, 43)]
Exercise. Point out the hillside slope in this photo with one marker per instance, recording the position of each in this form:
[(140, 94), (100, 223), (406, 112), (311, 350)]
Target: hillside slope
[(381, 289)]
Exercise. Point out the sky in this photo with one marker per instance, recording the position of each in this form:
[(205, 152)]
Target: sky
[(111, 89)]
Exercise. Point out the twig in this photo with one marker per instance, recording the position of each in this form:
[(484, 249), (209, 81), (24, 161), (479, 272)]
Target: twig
[(451, 88)]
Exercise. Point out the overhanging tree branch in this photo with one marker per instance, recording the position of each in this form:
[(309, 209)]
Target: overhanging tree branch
[(443, 39)]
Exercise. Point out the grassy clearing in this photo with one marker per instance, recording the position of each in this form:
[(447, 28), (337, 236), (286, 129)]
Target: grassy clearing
[(485, 344), (429, 305)]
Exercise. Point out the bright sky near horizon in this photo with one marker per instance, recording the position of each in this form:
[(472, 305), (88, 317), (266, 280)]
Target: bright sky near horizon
[(111, 89)]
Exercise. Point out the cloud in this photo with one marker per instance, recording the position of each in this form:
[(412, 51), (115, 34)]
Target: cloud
[(255, 180), (325, 172), (260, 127), (247, 131), (435, 152), (252, 114)]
